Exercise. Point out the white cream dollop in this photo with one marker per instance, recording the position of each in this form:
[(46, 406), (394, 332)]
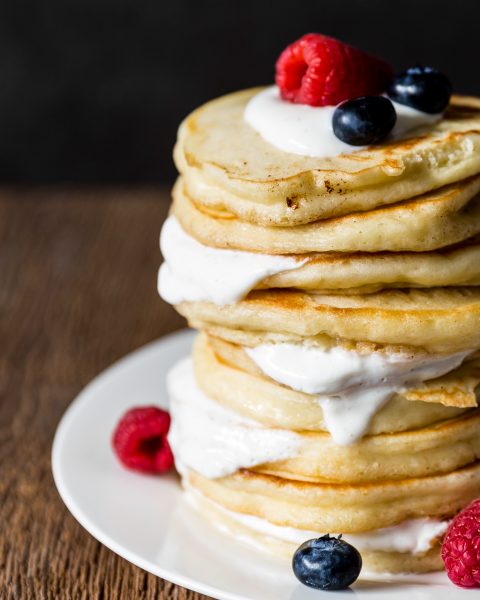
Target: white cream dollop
[(349, 386), (414, 536), (213, 440), (307, 130), (195, 272)]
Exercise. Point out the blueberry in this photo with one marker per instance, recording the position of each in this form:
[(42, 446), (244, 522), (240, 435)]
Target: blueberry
[(423, 88), (327, 563), (364, 121)]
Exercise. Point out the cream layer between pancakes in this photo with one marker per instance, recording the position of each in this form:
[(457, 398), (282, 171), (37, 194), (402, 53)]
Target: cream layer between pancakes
[(194, 272), (216, 441), (351, 387), (414, 536)]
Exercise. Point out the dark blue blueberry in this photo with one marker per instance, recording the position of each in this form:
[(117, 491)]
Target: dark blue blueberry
[(423, 88), (327, 563), (364, 121)]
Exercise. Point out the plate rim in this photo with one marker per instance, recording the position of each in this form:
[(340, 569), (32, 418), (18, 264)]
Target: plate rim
[(66, 421)]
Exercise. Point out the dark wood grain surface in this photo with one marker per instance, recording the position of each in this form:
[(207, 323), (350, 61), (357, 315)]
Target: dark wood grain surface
[(77, 291)]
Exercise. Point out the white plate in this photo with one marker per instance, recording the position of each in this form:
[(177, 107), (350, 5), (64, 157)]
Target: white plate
[(145, 520)]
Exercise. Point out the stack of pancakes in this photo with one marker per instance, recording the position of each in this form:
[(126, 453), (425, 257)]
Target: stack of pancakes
[(383, 254)]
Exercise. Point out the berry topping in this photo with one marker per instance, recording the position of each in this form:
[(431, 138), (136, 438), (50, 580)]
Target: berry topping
[(140, 440), (320, 71), (422, 88), (327, 563), (461, 547), (364, 121)]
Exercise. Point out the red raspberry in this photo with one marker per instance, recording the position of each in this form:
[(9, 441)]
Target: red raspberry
[(140, 440), (461, 547), (320, 71)]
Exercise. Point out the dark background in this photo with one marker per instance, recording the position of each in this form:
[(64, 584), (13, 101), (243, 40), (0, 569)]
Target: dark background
[(93, 90)]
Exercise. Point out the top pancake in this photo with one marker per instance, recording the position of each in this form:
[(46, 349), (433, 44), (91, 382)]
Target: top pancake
[(227, 165)]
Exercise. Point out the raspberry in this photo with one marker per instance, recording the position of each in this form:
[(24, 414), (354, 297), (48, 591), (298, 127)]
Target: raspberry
[(140, 440), (461, 547), (320, 71)]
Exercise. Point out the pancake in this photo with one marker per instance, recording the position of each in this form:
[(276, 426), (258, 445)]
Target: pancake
[(222, 275), (440, 448), (240, 337), (341, 508), (439, 320), (363, 273), (373, 561), (230, 349), (227, 165), (260, 398), (438, 219)]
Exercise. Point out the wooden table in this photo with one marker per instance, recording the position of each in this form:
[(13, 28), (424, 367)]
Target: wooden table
[(77, 291)]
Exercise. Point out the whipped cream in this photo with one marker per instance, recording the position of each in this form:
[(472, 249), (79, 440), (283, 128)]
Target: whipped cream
[(195, 272), (213, 440), (414, 536), (350, 387), (307, 130)]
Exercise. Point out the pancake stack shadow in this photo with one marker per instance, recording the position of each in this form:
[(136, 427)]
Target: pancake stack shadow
[(381, 266)]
